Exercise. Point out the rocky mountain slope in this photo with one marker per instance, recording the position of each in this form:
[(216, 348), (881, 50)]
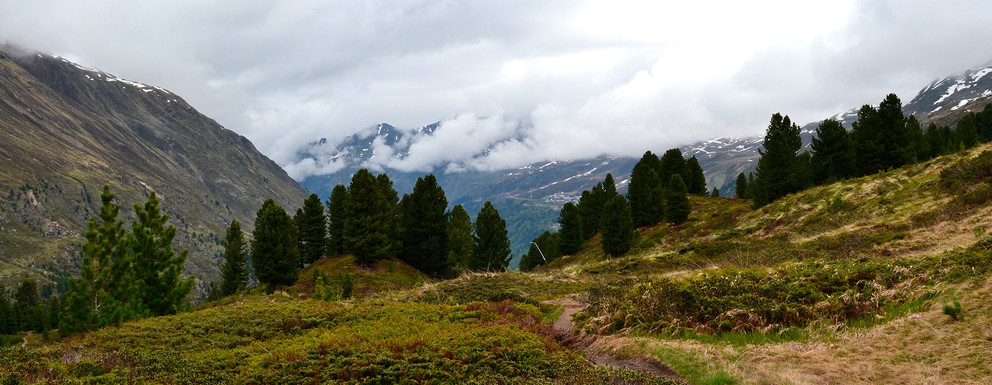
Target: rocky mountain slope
[(66, 130)]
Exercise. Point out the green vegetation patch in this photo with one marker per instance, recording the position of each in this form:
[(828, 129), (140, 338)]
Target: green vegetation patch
[(519, 287), (774, 299), (382, 276), (274, 340)]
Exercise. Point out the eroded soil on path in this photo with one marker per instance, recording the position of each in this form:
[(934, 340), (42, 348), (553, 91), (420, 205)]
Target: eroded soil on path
[(602, 350)]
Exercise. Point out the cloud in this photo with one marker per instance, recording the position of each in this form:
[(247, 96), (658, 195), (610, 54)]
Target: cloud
[(524, 81)]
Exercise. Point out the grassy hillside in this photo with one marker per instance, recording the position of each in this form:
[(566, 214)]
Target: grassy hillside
[(844, 283), (66, 131)]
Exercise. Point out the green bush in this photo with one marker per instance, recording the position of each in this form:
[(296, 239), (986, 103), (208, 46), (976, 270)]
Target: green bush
[(953, 310)]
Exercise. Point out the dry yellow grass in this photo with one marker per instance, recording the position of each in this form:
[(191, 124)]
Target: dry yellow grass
[(922, 348)]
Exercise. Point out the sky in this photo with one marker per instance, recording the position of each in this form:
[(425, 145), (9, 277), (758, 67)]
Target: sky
[(512, 82)]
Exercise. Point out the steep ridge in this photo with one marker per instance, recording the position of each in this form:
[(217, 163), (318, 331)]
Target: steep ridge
[(66, 130)]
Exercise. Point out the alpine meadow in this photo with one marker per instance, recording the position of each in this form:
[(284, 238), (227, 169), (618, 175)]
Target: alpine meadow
[(143, 242)]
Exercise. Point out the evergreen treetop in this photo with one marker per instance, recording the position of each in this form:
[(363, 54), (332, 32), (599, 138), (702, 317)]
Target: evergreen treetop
[(492, 246)]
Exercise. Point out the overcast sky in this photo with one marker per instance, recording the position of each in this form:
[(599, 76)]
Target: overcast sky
[(545, 79)]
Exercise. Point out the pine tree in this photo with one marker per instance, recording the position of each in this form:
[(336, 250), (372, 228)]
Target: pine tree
[(492, 247), (313, 231), (967, 130), (672, 163), (677, 206), (234, 273), (461, 241), (157, 267), (274, 250), (646, 207), (385, 186), (591, 204), (881, 139), (741, 187), (425, 228), (337, 211), (833, 153), (7, 320), (570, 229), (617, 227), (778, 170), (543, 250), (27, 301), (697, 180), (105, 292), (715, 193), (370, 222), (919, 148)]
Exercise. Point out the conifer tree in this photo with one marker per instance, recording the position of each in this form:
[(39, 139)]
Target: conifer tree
[(461, 241), (677, 206), (967, 130), (337, 211), (918, 147), (617, 227), (570, 229), (7, 320), (591, 204), (313, 230), (833, 153), (779, 171), (543, 250), (425, 228), (646, 207), (235, 272), (104, 293), (492, 247), (741, 187), (370, 221), (715, 193), (672, 163), (274, 250), (386, 190), (697, 180), (157, 267), (27, 302)]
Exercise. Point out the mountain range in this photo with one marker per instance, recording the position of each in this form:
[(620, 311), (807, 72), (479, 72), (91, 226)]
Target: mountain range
[(543, 186), (67, 130)]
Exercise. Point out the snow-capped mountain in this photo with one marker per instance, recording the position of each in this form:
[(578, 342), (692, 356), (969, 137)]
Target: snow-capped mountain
[(554, 182)]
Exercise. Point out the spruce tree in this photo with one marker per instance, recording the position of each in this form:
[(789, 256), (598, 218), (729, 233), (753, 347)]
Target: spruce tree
[(425, 228), (646, 207), (868, 141), (715, 193), (677, 206), (833, 153), (274, 250), (313, 230), (697, 180), (157, 266), (370, 222), (570, 229), (741, 187), (617, 227), (779, 171), (385, 186), (235, 273), (461, 241), (337, 212), (492, 247)]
